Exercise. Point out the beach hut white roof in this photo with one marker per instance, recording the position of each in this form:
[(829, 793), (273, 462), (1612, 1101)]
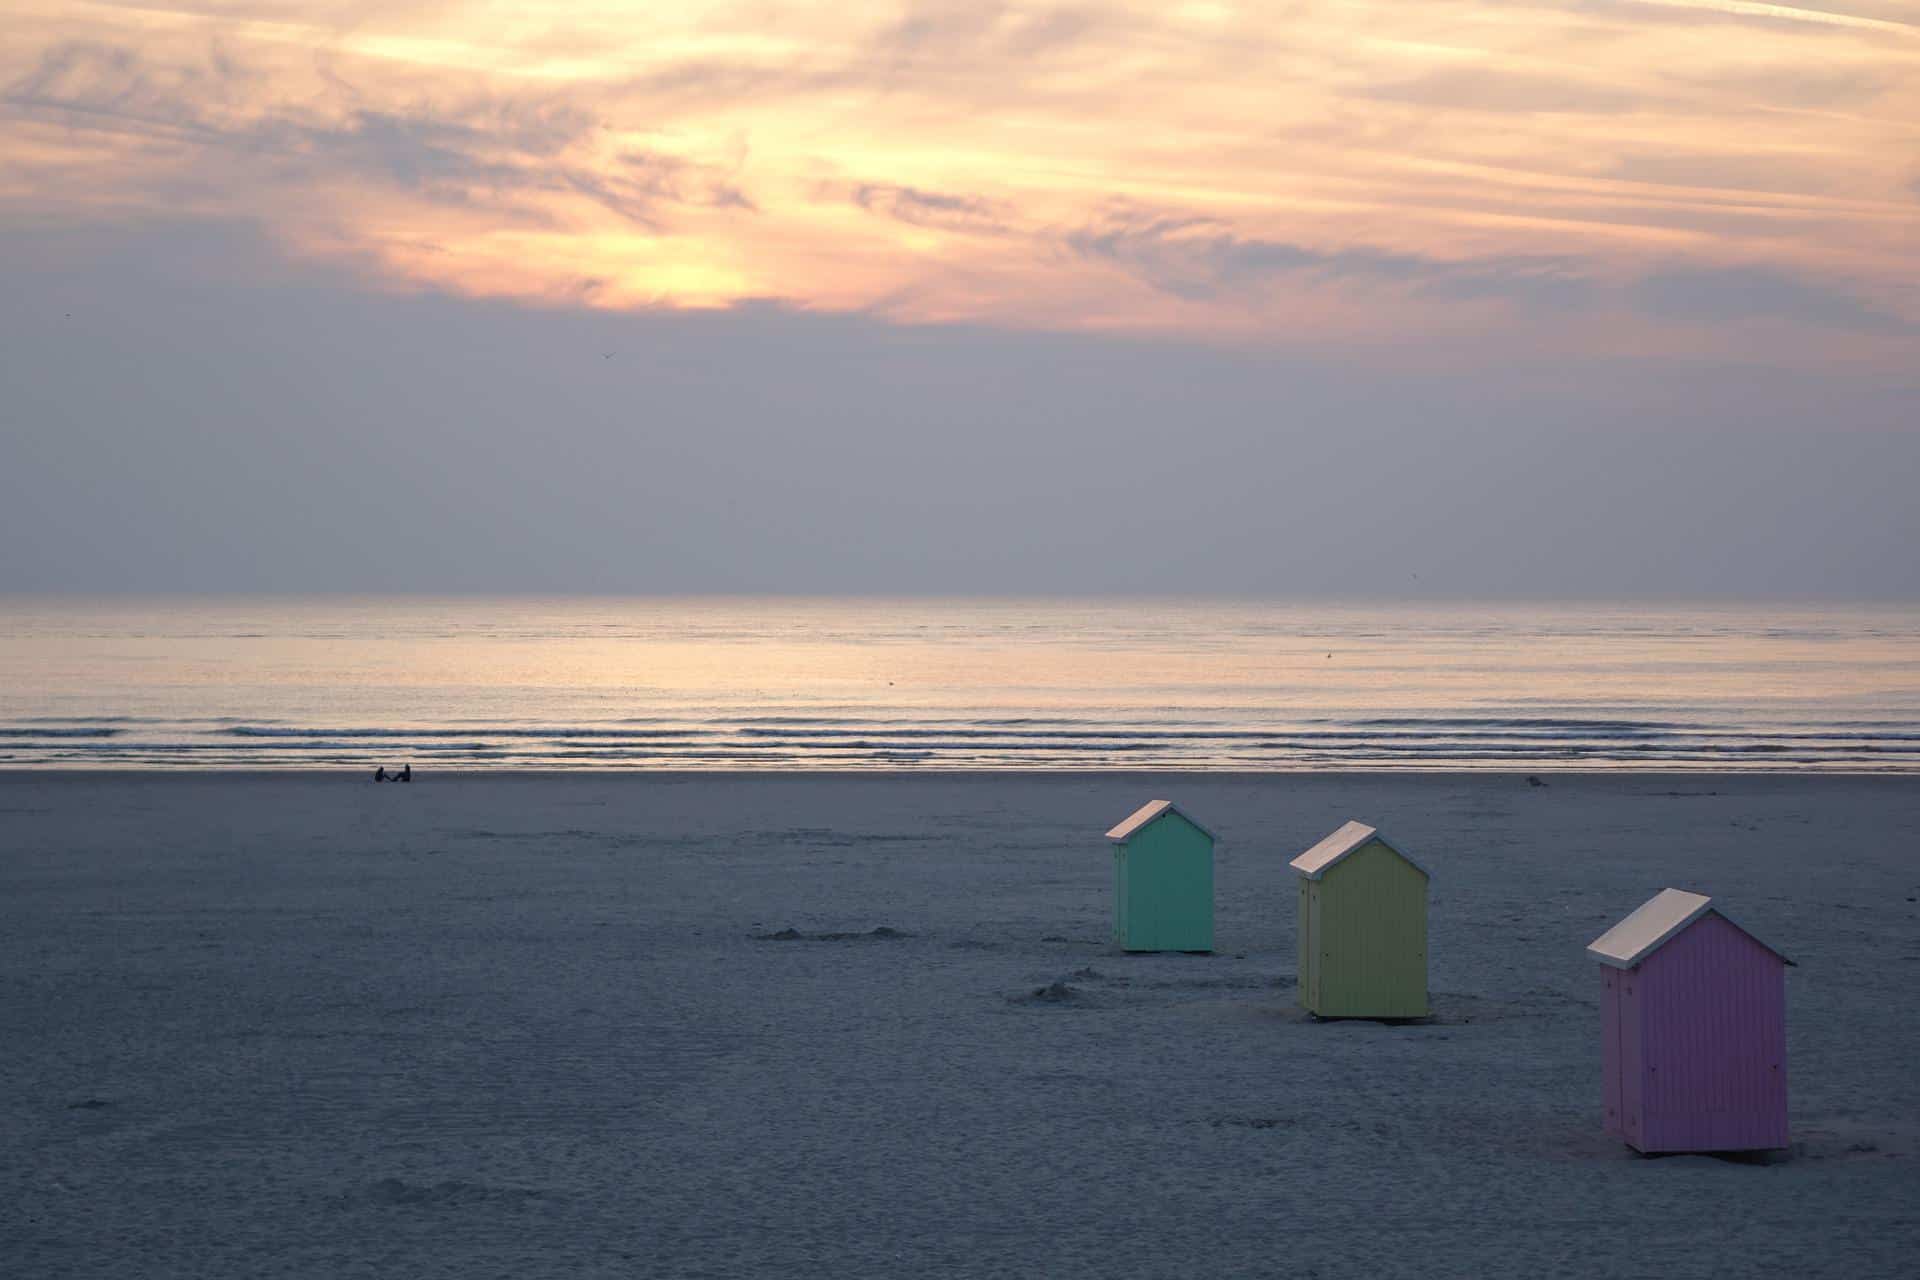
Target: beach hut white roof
[(1147, 813), (1316, 861), (1657, 921)]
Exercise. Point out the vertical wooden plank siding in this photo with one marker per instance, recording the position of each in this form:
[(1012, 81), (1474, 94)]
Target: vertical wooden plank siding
[(1610, 1064), (1633, 1059), (1315, 898), (1371, 936), (1715, 1071), (1169, 887), (1307, 968), (1120, 894)]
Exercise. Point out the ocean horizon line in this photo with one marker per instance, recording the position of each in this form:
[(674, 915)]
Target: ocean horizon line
[(1674, 600), (940, 682)]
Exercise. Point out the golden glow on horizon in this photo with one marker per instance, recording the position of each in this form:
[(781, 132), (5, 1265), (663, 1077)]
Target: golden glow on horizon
[(1360, 171)]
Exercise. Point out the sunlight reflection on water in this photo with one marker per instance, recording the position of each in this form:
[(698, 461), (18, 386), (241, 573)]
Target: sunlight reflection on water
[(742, 683)]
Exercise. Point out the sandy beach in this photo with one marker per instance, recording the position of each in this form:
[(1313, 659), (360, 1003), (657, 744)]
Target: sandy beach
[(299, 1024)]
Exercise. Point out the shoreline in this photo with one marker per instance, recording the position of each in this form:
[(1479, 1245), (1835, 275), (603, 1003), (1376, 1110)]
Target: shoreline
[(19, 773)]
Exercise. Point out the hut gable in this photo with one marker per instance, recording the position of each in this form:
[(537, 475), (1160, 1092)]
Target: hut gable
[(1150, 812), (1343, 844), (1658, 921)]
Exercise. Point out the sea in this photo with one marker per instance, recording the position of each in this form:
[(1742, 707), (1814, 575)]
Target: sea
[(743, 683)]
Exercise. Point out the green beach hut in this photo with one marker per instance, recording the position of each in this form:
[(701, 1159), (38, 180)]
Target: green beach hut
[(1363, 928), (1162, 881)]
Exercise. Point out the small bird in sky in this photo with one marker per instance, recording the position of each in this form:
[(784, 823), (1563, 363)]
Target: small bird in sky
[(606, 355)]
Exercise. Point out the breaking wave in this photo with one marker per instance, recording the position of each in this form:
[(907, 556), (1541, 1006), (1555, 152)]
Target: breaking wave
[(801, 742)]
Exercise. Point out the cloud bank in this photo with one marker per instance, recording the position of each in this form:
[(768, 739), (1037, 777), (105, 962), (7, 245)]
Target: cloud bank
[(1616, 175)]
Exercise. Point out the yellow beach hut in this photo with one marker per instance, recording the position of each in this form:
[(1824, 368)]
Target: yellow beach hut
[(1362, 927)]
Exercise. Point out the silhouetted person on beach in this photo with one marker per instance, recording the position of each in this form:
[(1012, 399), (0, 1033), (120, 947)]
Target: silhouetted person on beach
[(405, 774), (380, 774)]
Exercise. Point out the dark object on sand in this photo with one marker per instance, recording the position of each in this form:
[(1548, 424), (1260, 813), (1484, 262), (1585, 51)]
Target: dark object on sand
[(881, 933), (405, 774), (380, 774), (1533, 780)]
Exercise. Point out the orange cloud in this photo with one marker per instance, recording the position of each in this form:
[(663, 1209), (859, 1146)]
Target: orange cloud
[(1365, 171)]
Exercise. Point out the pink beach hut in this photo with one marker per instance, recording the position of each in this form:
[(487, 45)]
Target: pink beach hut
[(1694, 1014)]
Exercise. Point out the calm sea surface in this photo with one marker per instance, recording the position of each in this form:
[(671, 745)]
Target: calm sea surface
[(858, 684)]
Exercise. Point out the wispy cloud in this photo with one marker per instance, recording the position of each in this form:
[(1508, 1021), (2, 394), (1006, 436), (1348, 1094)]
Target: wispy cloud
[(1136, 165), (969, 214), (1488, 89), (511, 155), (1197, 258), (1790, 13), (1194, 258)]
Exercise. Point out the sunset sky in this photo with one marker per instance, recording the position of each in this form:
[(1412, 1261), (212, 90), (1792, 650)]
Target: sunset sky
[(1450, 185), (1636, 173)]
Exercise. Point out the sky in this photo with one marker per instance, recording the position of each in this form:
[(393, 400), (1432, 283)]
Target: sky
[(1541, 297)]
